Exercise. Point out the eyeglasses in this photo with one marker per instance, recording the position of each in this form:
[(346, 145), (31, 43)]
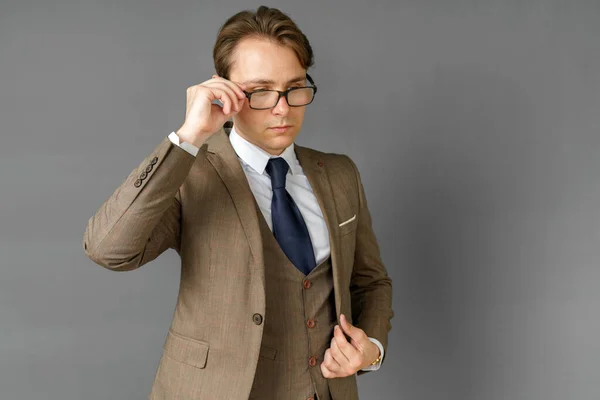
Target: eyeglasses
[(264, 99)]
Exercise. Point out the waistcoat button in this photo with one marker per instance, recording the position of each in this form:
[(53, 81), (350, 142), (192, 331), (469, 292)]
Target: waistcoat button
[(257, 318), (310, 323), (312, 361), (306, 284)]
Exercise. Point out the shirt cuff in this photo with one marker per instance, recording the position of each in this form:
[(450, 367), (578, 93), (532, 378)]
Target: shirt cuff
[(378, 365), (190, 148)]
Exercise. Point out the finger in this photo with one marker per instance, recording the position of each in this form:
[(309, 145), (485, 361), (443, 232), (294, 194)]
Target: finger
[(337, 354), (237, 93), (233, 100), (236, 101), (232, 85), (216, 109), (326, 372), (222, 84), (350, 330), (353, 355), (225, 99), (342, 343), (340, 338), (330, 362), (231, 105)]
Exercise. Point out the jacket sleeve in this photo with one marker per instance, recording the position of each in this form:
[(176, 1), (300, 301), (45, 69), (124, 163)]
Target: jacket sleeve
[(370, 285), (141, 219)]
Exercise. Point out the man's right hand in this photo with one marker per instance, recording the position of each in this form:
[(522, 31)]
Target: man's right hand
[(202, 118)]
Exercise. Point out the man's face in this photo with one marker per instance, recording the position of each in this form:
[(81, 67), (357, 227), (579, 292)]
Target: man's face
[(261, 64)]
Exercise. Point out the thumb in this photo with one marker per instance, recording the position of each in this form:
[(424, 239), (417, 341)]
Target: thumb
[(349, 330)]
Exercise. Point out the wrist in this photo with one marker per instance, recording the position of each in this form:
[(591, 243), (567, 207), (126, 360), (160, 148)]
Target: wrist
[(185, 136), (372, 357), (378, 356)]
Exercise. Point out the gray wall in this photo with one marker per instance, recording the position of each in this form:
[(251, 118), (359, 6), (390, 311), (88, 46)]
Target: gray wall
[(476, 130)]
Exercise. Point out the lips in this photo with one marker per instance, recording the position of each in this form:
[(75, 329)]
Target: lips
[(280, 127)]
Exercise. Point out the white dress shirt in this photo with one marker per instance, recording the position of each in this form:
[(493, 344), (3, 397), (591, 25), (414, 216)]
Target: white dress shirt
[(254, 160)]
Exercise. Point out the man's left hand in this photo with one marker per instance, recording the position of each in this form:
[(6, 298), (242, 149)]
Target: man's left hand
[(344, 358)]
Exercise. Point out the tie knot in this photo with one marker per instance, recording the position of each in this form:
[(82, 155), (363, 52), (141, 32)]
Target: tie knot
[(277, 169)]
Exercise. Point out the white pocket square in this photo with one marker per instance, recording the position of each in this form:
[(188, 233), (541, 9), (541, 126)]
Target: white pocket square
[(347, 222)]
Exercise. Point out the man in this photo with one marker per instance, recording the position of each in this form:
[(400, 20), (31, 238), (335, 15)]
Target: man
[(283, 294)]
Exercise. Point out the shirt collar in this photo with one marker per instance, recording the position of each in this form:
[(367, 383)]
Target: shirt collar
[(256, 157)]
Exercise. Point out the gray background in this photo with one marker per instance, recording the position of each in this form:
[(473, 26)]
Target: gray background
[(476, 129)]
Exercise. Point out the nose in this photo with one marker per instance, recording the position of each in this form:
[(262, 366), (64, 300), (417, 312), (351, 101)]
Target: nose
[(282, 107)]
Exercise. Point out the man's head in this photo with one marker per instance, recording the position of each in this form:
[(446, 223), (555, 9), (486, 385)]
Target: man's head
[(264, 50)]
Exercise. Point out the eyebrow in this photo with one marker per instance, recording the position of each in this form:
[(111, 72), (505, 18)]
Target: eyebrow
[(260, 81)]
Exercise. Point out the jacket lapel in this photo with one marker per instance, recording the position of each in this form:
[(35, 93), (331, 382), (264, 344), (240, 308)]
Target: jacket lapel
[(315, 170), (222, 156)]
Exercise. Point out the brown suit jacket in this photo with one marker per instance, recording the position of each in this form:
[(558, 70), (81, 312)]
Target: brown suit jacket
[(204, 209)]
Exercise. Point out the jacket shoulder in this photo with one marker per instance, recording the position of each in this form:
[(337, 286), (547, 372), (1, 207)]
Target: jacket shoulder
[(333, 160)]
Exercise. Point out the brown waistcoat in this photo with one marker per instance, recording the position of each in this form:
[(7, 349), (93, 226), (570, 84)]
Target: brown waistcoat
[(299, 321)]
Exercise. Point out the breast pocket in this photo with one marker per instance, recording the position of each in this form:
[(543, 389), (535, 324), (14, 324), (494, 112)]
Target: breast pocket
[(348, 225)]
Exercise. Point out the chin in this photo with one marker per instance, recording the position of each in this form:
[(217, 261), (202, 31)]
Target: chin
[(283, 141), (280, 142)]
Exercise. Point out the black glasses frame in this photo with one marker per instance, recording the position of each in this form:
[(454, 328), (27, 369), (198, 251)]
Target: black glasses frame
[(283, 94)]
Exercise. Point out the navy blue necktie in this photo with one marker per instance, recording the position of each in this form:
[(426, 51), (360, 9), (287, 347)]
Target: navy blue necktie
[(289, 227)]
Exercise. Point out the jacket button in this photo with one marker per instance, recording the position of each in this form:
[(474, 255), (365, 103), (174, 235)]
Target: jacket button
[(154, 160), (143, 175), (257, 318), (312, 361), (149, 168), (310, 323), (306, 284), (137, 183)]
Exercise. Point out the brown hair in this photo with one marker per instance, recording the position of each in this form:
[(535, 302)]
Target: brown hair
[(267, 23)]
